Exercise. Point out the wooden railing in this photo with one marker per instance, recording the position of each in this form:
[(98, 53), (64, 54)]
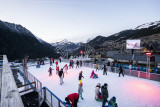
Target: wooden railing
[(9, 93), (31, 88)]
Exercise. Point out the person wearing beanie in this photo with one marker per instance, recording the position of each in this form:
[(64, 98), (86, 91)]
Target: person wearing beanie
[(104, 92), (97, 92), (80, 90), (112, 102)]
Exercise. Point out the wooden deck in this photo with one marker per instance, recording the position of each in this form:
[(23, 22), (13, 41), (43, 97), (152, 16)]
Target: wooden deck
[(9, 93)]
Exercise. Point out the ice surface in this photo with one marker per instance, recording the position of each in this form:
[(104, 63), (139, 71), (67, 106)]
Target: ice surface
[(129, 91)]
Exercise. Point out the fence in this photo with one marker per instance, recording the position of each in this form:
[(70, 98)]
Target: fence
[(44, 94), (51, 99), (31, 78), (140, 74)]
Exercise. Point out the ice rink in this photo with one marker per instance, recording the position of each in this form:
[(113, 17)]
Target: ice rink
[(129, 91)]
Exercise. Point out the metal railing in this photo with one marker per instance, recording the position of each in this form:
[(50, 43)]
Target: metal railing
[(140, 74), (51, 99), (31, 78)]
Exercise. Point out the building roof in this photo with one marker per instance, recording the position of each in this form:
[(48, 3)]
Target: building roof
[(122, 56), (157, 58), (140, 58)]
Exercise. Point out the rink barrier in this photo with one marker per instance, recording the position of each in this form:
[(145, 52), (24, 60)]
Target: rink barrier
[(32, 78), (51, 99), (135, 73)]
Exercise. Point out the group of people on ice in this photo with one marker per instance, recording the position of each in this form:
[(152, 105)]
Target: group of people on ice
[(40, 62), (103, 96)]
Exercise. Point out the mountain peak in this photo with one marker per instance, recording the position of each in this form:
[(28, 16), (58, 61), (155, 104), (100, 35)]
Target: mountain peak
[(147, 25)]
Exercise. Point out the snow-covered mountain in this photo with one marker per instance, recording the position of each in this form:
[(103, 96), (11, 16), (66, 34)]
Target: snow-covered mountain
[(155, 24), (16, 42), (67, 45)]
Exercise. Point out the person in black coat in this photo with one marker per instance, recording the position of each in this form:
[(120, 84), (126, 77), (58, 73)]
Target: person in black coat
[(61, 76), (104, 70), (104, 94), (120, 71), (80, 77)]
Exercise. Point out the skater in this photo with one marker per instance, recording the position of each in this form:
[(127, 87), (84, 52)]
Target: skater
[(104, 93), (92, 74), (73, 98), (112, 102), (97, 67), (80, 90), (65, 68), (53, 60), (57, 69), (104, 70), (60, 59), (112, 67), (56, 63), (38, 64), (120, 71), (98, 93), (130, 68), (80, 63), (72, 63), (138, 68), (80, 77), (50, 61), (43, 62), (61, 76), (77, 62), (50, 71)]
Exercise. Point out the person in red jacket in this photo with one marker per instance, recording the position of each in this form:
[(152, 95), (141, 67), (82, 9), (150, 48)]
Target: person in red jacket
[(57, 69), (56, 63), (73, 98), (53, 60)]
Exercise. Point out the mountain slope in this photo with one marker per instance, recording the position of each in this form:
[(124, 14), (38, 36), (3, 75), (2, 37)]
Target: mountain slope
[(17, 42), (140, 31), (67, 45)]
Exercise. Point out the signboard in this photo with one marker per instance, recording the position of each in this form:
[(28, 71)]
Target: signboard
[(133, 44)]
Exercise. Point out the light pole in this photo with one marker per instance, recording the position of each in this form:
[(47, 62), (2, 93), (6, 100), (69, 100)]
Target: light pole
[(148, 64)]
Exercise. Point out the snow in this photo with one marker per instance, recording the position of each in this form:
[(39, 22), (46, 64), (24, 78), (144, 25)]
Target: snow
[(147, 25), (129, 91)]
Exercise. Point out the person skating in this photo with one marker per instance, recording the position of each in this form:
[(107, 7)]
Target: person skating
[(97, 67), (53, 60), (61, 76), (80, 77), (57, 69), (120, 71), (50, 61), (98, 93), (104, 70), (60, 59), (112, 102), (65, 68), (80, 90), (73, 98), (38, 64), (50, 71), (92, 74), (104, 93), (80, 63), (77, 64), (56, 63)]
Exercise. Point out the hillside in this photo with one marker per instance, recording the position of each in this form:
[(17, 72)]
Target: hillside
[(16, 42)]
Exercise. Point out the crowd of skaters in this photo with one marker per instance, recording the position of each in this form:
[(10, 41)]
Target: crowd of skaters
[(72, 102)]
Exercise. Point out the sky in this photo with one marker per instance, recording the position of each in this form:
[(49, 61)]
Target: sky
[(78, 20)]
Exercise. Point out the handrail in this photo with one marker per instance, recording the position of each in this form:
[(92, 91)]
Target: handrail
[(45, 88)]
